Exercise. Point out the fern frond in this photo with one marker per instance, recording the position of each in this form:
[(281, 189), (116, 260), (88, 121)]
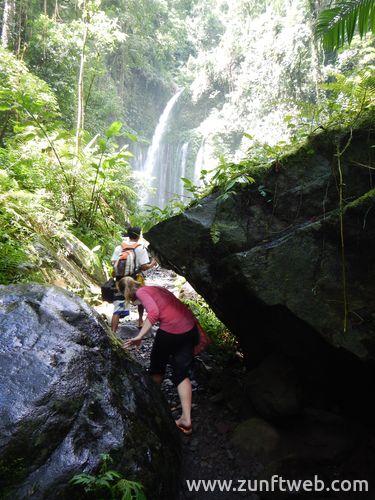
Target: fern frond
[(129, 490), (83, 479)]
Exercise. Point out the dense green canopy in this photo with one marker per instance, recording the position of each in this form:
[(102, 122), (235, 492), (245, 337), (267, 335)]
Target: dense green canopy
[(80, 82)]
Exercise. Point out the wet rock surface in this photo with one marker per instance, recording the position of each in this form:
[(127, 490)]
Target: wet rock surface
[(67, 394)]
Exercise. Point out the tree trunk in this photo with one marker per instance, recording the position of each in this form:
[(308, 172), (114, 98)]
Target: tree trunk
[(8, 22), (21, 26), (56, 13), (315, 6), (81, 104)]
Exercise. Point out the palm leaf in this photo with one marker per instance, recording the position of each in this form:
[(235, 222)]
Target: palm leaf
[(368, 85), (337, 25)]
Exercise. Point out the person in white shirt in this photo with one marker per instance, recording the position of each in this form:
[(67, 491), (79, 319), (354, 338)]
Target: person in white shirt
[(142, 263)]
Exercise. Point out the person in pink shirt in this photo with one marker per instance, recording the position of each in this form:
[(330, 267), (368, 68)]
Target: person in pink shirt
[(175, 339)]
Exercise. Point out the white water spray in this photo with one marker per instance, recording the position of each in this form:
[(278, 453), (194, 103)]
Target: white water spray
[(199, 164), (184, 151), (152, 152)]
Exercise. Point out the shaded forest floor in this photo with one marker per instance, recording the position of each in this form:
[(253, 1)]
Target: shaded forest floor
[(208, 453)]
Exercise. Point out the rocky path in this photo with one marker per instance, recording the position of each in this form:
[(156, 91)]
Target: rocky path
[(208, 453)]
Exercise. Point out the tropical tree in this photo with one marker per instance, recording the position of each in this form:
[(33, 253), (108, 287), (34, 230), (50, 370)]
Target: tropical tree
[(337, 25)]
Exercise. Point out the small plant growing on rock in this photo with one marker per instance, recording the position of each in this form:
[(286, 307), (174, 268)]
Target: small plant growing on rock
[(108, 483)]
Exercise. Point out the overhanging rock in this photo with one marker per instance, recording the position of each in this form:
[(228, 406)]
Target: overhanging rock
[(270, 261)]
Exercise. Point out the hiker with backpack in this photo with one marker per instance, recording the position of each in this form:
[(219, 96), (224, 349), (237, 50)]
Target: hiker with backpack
[(129, 259)]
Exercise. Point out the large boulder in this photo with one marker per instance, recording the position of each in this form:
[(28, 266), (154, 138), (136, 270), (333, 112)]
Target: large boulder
[(256, 437), (66, 261), (273, 388), (285, 268), (68, 393)]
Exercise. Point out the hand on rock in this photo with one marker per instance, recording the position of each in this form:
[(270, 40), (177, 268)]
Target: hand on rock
[(136, 342)]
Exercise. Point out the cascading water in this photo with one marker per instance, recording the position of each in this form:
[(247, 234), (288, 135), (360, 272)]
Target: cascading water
[(199, 164), (139, 152), (183, 156), (155, 166)]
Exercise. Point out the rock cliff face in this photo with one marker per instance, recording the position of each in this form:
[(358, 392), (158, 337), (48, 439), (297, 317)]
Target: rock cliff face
[(270, 261), (68, 394)]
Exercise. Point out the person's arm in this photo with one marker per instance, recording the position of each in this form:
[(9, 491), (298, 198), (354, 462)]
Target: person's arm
[(145, 267), (115, 255), (152, 316), (143, 259), (136, 341)]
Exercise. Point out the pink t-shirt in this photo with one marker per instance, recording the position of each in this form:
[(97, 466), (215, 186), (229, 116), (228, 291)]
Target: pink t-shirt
[(163, 307)]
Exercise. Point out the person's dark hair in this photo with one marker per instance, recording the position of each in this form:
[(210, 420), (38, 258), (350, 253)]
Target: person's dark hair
[(121, 285), (134, 232), (125, 231)]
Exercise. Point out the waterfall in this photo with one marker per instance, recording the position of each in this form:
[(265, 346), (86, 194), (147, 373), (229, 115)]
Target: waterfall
[(183, 156), (162, 165), (153, 167), (199, 164), (139, 151)]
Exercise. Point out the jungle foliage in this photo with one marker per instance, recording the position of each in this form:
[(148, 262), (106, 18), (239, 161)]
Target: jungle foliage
[(45, 187), (65, 73), (129, 46), (80, 81)]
